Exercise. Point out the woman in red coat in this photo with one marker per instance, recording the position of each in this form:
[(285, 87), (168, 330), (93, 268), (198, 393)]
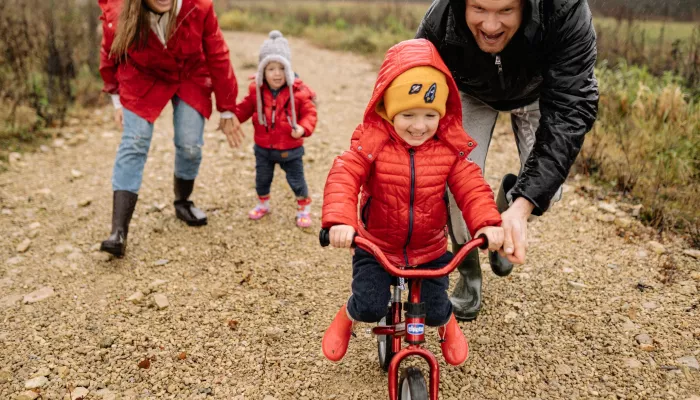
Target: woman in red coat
[(409, 148), (155, 52)]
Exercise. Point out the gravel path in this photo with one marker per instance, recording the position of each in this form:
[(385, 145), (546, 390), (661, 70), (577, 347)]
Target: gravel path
[(236, 309)]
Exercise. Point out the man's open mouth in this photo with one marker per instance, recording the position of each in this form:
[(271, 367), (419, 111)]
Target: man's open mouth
[(492, 38)]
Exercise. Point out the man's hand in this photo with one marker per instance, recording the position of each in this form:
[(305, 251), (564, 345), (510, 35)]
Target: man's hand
[(494, 234), (341, 236), (297, 132), (119, 117), (232, 129), (515, 230)]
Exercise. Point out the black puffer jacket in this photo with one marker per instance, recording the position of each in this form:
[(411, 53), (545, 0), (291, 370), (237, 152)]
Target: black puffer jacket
[(551, 57)]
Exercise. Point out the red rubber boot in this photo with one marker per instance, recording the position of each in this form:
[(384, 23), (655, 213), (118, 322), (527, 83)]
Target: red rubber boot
[(454, 345), (337, 337)]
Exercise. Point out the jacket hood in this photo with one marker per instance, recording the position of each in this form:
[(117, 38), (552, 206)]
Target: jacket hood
[(415, 53)]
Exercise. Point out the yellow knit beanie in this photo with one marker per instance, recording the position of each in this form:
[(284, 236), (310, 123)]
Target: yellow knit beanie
[(418, 87)]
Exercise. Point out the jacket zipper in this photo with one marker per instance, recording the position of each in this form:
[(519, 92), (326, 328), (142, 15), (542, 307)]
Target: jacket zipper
[(411, 153), (500, 71)]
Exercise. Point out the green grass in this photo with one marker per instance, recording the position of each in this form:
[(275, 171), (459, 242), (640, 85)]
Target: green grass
[(651, 30)]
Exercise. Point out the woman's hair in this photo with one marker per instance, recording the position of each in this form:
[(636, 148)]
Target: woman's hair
[(134, 26)]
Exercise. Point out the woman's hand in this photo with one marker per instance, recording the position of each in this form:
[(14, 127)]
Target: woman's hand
[(119, 117), (341, 236), (232, 130), (298, 132), (495, 236)]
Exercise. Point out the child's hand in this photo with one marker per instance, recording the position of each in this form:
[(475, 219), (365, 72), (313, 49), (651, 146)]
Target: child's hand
[(495, 236), (298, 132), (341, 236)]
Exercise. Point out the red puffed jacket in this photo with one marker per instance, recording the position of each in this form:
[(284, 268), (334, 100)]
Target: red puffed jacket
[(278, 132), (193, 63), (403, 206)]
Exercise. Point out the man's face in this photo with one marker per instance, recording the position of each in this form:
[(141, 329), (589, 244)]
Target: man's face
[(494, 22)]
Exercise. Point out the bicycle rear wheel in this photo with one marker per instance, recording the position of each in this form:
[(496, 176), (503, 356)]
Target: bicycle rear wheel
[(385, 352)]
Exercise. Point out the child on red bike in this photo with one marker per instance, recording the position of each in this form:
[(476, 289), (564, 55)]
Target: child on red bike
[(284, 113), (410, 145)]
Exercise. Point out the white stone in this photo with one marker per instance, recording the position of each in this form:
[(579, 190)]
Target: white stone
[(577, 285), (692, 252), (79, 393), (135, 298), (38, 295), (690, 362), (36, 383), (657, 247), (161, 300), (24, 246)]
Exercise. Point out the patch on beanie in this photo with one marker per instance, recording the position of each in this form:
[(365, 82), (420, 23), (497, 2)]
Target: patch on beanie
[(430, 94), (415, 88)]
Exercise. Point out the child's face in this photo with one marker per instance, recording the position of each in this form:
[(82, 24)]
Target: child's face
[(274, 75), (416, 125)]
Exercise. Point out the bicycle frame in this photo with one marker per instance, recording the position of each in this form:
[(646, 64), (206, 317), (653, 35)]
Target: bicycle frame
[(413, 329)]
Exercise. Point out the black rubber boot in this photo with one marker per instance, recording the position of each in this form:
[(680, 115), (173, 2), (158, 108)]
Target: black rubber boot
[(500, 265), (122, 209), (184, 208), (466, 297)]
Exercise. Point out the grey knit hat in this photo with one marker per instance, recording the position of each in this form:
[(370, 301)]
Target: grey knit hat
[(275, 49)]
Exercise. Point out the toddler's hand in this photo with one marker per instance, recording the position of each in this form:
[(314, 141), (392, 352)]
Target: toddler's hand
[(341, 236), (298, 132), (495, 236)]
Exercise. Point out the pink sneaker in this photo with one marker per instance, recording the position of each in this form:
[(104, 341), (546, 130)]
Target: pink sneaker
[(258, 212), (303, 220)]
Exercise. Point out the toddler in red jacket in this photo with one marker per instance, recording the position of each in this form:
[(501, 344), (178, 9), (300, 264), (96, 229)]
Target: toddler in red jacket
[(409, 148), (284, 113)]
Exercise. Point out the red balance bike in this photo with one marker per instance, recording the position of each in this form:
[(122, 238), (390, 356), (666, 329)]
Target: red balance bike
[(392, 328)]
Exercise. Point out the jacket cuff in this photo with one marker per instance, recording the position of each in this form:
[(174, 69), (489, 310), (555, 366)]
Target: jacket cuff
[(116, 102), (227, 114), (538, 210)]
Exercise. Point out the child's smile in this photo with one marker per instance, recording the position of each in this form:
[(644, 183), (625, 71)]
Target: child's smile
[(416, 125)]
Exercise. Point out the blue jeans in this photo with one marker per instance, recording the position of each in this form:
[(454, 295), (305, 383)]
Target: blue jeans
[(136, 141), (291, 163), (371, 290)]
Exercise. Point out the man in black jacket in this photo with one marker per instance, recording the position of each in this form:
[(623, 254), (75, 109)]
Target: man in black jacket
[(534, 59)]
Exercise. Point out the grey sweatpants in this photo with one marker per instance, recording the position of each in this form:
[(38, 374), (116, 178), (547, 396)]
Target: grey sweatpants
[(479, 120)]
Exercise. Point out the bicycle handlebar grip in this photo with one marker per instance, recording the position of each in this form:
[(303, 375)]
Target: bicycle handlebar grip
[(324, 237), (485, 245)]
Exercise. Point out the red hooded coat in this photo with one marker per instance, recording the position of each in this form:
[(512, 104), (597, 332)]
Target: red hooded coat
[(278, 136), (194, 63), (403, 204)]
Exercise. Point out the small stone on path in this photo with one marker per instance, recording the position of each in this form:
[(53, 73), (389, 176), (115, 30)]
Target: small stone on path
[(79, 393), (24, 245), (633, 363), (690, 362), (161, 300), (36, 383), (657, 247), (643, 338), (563, 369), (28, 395), (135, 298), (692, 252), (38, 295), (577, 285), (161, 262), (155, 284)]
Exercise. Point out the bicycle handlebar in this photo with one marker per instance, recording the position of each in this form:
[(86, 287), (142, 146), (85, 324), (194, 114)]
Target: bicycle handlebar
[(481, 242)]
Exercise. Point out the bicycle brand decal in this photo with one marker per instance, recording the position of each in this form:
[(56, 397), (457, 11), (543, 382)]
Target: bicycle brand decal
[(415, 329)]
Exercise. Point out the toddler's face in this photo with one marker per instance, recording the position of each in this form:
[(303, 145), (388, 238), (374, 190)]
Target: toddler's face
[(274, 75), (416, 125)]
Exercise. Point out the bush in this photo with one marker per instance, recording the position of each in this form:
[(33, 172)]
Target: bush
[(646, 144), (43, 49)]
